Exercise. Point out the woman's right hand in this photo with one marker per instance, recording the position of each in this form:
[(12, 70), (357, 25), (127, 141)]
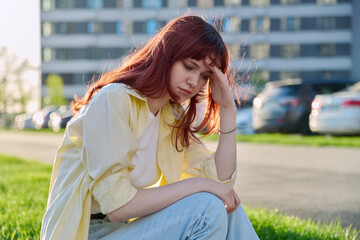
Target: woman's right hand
[(225, 192)]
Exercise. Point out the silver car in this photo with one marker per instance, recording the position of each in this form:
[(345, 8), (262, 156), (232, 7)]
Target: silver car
[(337, 113)]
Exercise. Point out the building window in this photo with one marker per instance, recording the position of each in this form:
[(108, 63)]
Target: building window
[(275, 51), (289, 74), (234, 50), (275, 24), (327, 50), (139, 27), (151, 3), (47, 5), (151, 26), (260, 3), (221, 25), (192, 3), (91, 27), (177, 3), (80, 4), (80, 28), (232, 3), (234, 25), (326, 2), (258, 78), (65, 53), (94, 4), (120, 28), (61, 28), (124, 4), (47, 29), (245, 25), (308, 23), (109, 27), (343, 49), (259, 51), (308, 1), (290, 24), (260, 24), (343, 22), (110, 3), (325, 23), (205, 3), (289, 2), (64, 3), (309, 50), (48, 54), (290, 51), (218, 3)]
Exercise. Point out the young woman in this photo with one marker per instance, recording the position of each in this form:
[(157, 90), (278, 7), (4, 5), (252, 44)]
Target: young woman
[(133, 129)]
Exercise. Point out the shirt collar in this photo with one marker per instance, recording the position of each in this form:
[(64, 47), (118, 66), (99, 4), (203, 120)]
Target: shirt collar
[(132, 92)]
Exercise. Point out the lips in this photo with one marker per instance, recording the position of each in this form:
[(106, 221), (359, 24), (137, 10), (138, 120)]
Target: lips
[(185, 92)]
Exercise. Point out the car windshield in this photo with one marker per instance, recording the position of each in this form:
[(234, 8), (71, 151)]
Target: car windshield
[(276, 92)]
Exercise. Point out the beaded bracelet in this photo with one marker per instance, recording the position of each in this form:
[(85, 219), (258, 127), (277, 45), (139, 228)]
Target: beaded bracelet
[(219, 131)]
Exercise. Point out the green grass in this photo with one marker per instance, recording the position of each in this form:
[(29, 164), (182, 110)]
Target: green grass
[(24, 188), (23, 195), (274, 225), (294, 139)]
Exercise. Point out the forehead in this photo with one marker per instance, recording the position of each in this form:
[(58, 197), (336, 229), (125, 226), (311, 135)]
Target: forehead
[(200, 63)]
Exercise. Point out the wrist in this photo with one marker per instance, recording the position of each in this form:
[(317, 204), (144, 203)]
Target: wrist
[(228, 108)]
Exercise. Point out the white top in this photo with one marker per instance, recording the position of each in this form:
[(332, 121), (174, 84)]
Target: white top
[(146, 171)]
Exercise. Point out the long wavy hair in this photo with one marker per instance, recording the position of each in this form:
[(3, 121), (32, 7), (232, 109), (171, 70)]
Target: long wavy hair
[(147, 70)]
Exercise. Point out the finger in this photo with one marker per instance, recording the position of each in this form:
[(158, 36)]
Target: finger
[(231, 205), (215, 69)]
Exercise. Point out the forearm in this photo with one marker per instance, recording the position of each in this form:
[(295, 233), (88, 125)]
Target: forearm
[(225, 156), (148, 201)]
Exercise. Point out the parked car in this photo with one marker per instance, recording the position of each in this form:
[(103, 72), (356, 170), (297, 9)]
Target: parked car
[(337, 113), (60, 118), (41, 118), (244, 121), (24, 121), (285, 105)]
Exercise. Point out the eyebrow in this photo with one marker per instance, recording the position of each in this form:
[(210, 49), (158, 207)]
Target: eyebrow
[(199, 67)]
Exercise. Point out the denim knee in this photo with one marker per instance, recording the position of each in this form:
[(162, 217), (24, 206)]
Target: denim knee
[(210, 205)]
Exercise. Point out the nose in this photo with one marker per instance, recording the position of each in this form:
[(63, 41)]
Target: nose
[(192, 80)]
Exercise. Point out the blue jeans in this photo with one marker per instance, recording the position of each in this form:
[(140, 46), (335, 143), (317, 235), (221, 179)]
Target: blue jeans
[(198, 216)]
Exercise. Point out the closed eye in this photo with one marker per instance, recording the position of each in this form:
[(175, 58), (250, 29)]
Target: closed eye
[(205, 78), (187, 67)]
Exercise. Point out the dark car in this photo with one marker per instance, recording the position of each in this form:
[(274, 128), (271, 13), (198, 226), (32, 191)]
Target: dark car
[(285, 105)]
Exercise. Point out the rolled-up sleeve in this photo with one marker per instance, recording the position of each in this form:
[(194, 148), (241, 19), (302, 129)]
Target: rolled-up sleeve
[(108, 146), (200, 162)]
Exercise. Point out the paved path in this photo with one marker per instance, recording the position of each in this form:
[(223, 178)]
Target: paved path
[(321, 183)]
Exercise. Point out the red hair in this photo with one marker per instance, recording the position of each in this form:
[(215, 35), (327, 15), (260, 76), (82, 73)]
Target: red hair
[(147, 71)]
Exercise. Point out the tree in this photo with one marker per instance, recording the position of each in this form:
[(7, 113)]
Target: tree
[(55, 90), (14, 92)]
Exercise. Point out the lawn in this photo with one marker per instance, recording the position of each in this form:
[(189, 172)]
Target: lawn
[(23, 194)]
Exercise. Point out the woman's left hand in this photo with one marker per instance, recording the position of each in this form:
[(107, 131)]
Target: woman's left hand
[(220, 89)]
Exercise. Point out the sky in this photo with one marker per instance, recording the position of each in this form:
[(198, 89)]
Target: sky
[(20, 33), (20, 28)]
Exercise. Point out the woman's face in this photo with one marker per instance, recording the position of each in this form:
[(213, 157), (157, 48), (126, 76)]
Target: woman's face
[(188, 77)]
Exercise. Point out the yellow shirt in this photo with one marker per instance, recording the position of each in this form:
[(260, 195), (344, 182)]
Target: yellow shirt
[(96, 158)]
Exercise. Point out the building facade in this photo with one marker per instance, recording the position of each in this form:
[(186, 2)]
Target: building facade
[(267, 39)]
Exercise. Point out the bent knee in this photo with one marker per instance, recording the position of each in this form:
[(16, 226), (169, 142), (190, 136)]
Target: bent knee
[(209, 202)]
